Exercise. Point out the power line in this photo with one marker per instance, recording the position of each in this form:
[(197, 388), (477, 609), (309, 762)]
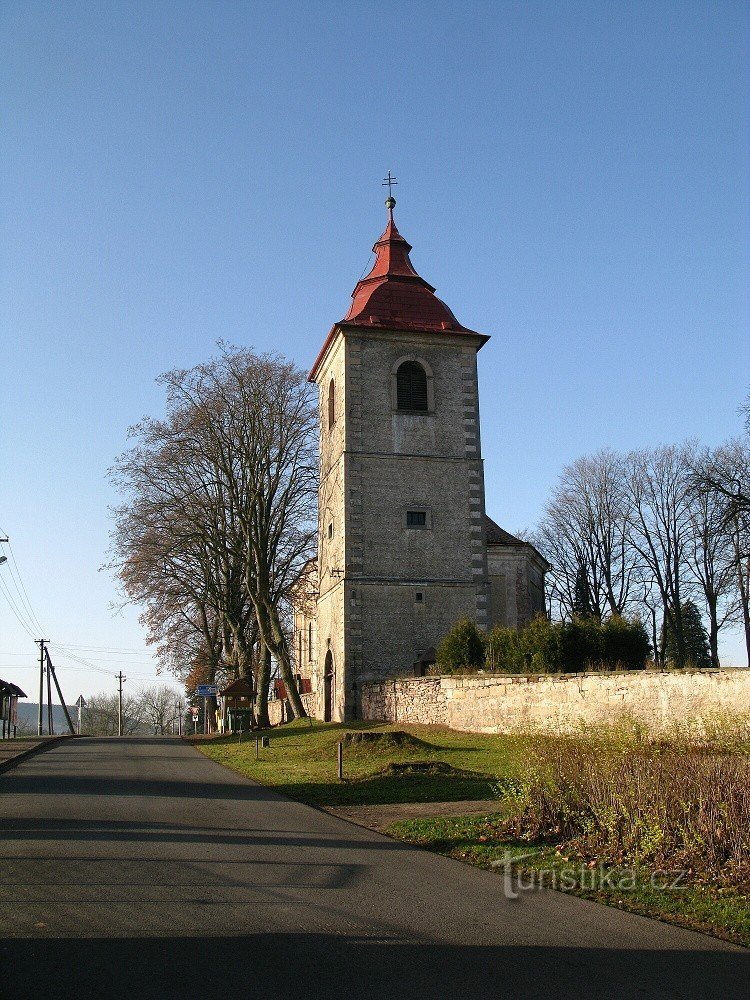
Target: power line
[(12, 604), (129, 651), (65, 652), (79, 659), (15, 573)]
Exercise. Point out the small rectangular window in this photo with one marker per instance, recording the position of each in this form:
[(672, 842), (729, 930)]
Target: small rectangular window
[(419, 597), (416, 518)]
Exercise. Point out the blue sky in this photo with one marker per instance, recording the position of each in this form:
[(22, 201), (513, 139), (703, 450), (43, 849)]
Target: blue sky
[(573, 176)]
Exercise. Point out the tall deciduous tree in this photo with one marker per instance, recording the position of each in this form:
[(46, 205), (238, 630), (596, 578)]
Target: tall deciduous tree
[(256, 421), (584, 535), (158, 706), (726, 477), (658, 484), (711, 561), (227, 484), (174, 551)]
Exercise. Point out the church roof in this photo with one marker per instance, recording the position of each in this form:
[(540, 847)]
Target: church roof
[(496, 535), (394, 297)]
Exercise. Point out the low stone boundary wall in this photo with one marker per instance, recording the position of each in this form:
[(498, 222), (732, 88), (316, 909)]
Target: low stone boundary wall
[(279, 710), (495, 703)]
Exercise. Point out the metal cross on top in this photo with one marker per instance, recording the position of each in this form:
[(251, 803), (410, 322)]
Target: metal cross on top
[(389, 182)]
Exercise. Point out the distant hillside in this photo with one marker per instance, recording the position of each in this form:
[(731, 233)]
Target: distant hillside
[(27, 717)]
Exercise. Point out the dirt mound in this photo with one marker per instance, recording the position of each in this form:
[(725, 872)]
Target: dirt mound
[(386, 740)]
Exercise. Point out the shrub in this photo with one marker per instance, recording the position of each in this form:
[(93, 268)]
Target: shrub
[(462, 647), (502, 651), (626, 644), (540, 646), (545, 647), (620, 798), (581, 644)]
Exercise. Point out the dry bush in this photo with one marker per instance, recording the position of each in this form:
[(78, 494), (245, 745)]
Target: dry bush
[(613, 794)]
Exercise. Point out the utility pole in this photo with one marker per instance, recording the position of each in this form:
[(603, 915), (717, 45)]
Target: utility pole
[(40, 707), (50, 726), (51, 670), (121, 681)]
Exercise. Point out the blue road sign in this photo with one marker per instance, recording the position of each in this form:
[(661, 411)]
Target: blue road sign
[(207, 690)]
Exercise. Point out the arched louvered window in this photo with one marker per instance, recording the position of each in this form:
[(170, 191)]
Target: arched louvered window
[(331, 403), (411, 387)]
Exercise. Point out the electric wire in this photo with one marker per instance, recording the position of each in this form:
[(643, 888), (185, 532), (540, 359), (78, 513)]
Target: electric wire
[(67, 653), (29, 622), (12, 604), (120, 651), (15, 573)]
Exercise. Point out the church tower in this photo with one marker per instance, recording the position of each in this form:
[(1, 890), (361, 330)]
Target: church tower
[(402, 550)]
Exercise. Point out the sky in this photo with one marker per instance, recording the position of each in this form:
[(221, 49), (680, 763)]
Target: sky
[(573, 177)]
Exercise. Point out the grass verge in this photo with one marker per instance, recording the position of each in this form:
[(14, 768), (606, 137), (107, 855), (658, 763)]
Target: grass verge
[(301, 762)]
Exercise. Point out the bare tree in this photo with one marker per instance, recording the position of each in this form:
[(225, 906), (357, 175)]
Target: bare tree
[(724, 475), (658, 488), (584, 535), (220, 513), (158, 706), (178, 551), (710, 553), (726, 478), (739, 530), (256, 424), (728, 472), (101, 715), (173, 544)]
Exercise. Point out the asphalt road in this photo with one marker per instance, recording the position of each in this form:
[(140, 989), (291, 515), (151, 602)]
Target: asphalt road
[(138, 868)]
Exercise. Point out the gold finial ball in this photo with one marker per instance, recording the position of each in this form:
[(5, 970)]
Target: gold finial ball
[(390, 202)]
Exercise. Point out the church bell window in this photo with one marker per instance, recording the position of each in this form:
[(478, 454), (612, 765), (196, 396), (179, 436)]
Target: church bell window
[(411, 387)]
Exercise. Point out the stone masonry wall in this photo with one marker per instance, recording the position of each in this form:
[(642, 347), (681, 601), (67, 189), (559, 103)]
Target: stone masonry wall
[(279, 711), (494, 703)]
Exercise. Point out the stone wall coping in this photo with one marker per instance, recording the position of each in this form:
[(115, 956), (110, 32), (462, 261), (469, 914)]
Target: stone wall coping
[(498, 675), (492, 677)]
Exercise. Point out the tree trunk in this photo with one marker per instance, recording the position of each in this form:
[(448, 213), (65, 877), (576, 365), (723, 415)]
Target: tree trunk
[(274, 639), (264, 680), (210, 714), (743, 581), (713, 633)]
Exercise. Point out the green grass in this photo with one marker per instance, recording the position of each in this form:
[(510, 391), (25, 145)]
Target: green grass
[(301, 762), (723, 912)]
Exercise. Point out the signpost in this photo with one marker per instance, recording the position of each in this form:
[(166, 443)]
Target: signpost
[(206, 691), (195, 710), (80, 704)]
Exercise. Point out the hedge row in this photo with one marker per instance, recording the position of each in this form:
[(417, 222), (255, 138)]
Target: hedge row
[(543, 646)]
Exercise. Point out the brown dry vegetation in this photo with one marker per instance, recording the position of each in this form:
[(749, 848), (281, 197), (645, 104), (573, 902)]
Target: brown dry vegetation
[(682, 802)]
